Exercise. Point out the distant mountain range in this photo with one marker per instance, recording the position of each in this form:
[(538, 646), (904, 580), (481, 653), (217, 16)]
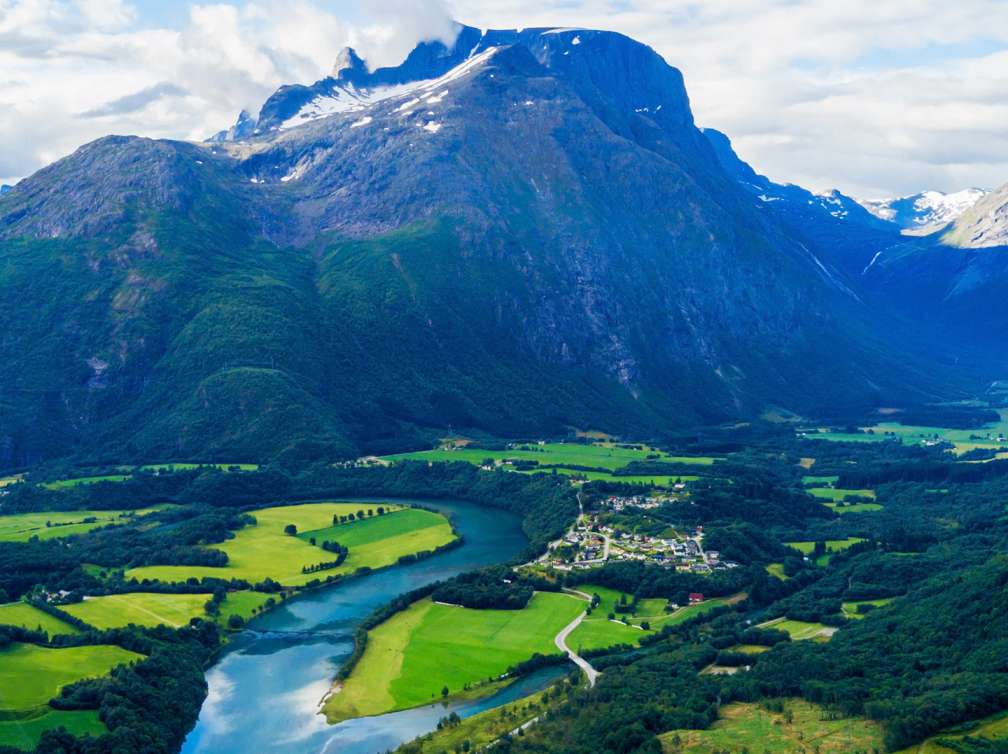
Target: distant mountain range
[(520, 233), (927, 210)]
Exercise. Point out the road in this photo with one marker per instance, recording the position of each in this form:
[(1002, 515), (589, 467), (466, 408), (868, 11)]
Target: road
[(581, 662)]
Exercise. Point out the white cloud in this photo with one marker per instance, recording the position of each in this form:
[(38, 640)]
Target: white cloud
[(873, 97)]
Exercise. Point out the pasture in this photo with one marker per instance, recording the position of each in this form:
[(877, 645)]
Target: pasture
[(836, 495), (151, 609), (24, 733), (801, 727), (139, 609), (832, 545), (21, 527), (31, 675), (601, 456), (963, 440), (800, 630), (265, 551), (28, 616), (850, 609), (412, 656), (597, 631)]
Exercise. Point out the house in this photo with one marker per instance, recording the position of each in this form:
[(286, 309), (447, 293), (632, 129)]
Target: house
[(695, 598)]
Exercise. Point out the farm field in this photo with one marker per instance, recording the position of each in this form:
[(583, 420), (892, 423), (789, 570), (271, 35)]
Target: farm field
[(750, 727), (191, 466), (606, 456), (412, 656), (964, 440), (150, 609), (800, 630), (21, 527), (24, 733), (850, 609), (141, 609), (28, 616), (832, 545), (264, 551), (598, 632), (31, 675), (126, 472), (837, 495), (8, 480), (854, 507), (777, 570), (994, 728)]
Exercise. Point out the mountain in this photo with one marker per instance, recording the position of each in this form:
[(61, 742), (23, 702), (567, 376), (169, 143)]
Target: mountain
[(520, 233), (984, 225), (4, 189), (926, 210), (834, 225)]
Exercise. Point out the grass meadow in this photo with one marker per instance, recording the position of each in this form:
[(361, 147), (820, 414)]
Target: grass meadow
[(28, 616), (20, 527), (412, 656), (751, 727), (265, 551), (31, 675)]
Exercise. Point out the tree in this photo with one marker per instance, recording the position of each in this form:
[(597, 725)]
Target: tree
[(235, 621), (290, 530), (381, 511), (646, 625), (444, 692)]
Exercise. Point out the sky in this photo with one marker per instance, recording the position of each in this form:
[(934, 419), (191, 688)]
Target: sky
[(877, 98)]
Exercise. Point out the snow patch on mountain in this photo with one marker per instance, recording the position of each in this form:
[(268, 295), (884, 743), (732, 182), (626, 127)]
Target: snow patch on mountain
[(350, 98), (924, 210)]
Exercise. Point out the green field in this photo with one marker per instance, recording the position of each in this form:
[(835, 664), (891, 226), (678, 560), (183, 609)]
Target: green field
[(127, 473), (31, 675), (800, 630), (777, 570), (854, 508), (837, 495), (190, 466), (24, 733), (964, 440), (8, 480), (850, 609), (994, 728), (21, 527), (606, 456), (147, 609), (750, 727), (263, 550), (63, 484), (140, 609), (598, 632), (750, 649), (30, 617), (832, 545), (413, 655)]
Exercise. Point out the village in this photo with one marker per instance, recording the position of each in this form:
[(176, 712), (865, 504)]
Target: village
[(591, 543)]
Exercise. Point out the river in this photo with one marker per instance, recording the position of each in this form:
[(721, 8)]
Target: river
[(265, 690)]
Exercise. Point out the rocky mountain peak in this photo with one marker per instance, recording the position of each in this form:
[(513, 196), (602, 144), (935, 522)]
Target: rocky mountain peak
[(348, 64)]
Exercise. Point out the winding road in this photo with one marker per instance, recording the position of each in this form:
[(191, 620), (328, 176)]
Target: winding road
[(561, 643)]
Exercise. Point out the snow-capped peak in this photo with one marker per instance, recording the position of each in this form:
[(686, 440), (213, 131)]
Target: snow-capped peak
[(926, 209)]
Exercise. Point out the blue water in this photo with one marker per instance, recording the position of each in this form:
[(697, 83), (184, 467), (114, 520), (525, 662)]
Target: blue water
[(265, 691)]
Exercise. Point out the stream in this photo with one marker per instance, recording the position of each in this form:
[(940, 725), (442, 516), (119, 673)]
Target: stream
[(266, 688)]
